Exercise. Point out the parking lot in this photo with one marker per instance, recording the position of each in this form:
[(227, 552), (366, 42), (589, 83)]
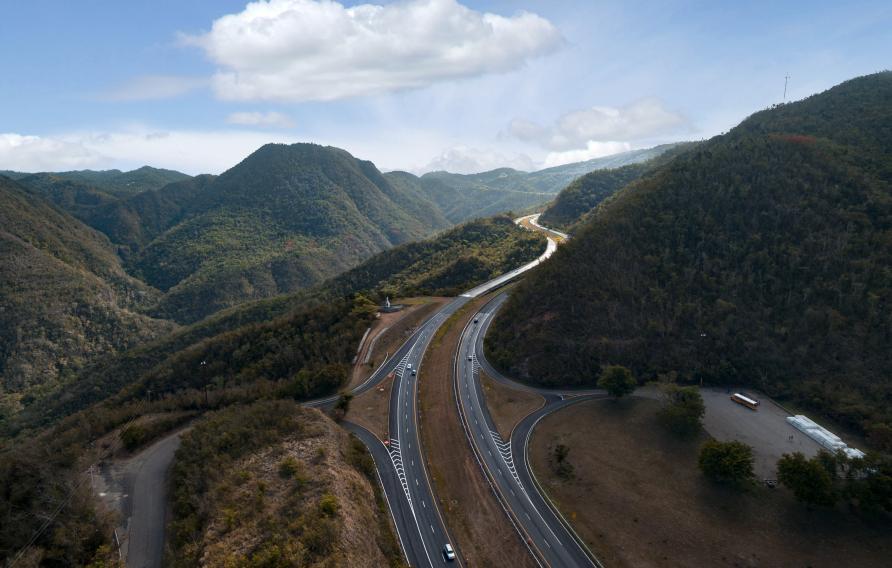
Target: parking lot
[(766, 429)]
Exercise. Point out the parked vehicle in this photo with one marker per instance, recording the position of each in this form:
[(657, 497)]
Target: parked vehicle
[(746, 401)]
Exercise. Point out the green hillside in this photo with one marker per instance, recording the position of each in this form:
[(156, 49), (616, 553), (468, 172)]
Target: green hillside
[(112, 182), (285, 218), (454, 261), (579, 198), (461, 197), (760, 258), (64, 298)]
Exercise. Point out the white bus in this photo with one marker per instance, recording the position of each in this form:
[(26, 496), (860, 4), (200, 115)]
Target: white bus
[(746, 401)]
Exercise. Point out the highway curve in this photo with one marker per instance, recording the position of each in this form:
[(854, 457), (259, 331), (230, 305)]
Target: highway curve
[(550, 539)]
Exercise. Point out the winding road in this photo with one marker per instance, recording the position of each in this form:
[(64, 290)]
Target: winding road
[(400, 461)]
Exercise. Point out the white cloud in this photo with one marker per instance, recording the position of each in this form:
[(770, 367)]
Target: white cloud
[(642, 119), (592, 150), (34, 154), (466, 160), (274, 119), (299, 50), (152, 87), (191, 152)]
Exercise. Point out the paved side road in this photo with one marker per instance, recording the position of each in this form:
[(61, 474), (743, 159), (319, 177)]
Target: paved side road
[(148, 504), (137, 488)]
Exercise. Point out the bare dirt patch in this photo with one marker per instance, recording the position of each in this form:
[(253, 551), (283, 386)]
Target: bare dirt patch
[(507, 405), (389, 332), (483, 534), (371, 409), (638, 499)]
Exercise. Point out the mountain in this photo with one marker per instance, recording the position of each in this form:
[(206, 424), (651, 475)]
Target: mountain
[(585, 193), (467, 196), (760, 258), (112, 182), (285, 218), (64, 298), (455, 260)]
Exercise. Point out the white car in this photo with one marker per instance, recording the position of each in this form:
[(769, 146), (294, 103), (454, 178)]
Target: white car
[(409, 366), (470, 357), (448, 553)]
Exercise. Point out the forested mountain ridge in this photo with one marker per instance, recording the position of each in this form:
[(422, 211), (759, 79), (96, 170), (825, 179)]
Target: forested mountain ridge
[(461, 197), (64, 297), (577, 200), (112, 182), (761, 258), (449, 263), (285, 218)]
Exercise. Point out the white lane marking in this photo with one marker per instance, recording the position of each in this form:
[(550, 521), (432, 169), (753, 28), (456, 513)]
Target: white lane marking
[(397, 459), (507, 456)]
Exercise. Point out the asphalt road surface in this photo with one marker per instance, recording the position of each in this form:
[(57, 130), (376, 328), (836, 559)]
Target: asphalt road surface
[(146, 504), (549, 537)]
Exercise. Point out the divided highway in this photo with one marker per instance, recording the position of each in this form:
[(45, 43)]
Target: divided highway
[(399, 460), (549, 537)]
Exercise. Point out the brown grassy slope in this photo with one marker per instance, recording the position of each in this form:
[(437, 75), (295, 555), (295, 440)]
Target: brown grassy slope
[(639, 500), (508, 406), (483, 534), (307, 499)]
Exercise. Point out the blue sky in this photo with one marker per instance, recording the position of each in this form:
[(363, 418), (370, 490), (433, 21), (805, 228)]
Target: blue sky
[(417, 85)]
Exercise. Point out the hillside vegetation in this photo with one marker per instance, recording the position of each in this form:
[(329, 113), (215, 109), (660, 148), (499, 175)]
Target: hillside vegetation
[(579, 199), (274, 484), (112, 182), (317, 324), (461, 197), (761, 258), (64, 298), (447, 265), (285, 218)]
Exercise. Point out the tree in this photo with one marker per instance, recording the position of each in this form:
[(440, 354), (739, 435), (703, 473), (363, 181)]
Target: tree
[(809, 480), (683, 411), (617, 381), (342, 406), (730, 462)]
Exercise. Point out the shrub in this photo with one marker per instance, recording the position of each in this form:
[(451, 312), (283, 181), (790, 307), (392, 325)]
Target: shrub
[(683, 411), (730, 462)]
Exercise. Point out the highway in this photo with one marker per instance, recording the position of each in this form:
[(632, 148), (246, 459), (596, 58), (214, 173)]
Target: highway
[(399, 460), (549, 537)]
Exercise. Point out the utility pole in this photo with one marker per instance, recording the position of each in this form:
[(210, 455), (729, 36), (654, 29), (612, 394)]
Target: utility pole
[(786, 78)]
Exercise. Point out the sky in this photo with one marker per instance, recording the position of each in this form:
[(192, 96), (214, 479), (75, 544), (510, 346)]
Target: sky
[(416, 85)]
